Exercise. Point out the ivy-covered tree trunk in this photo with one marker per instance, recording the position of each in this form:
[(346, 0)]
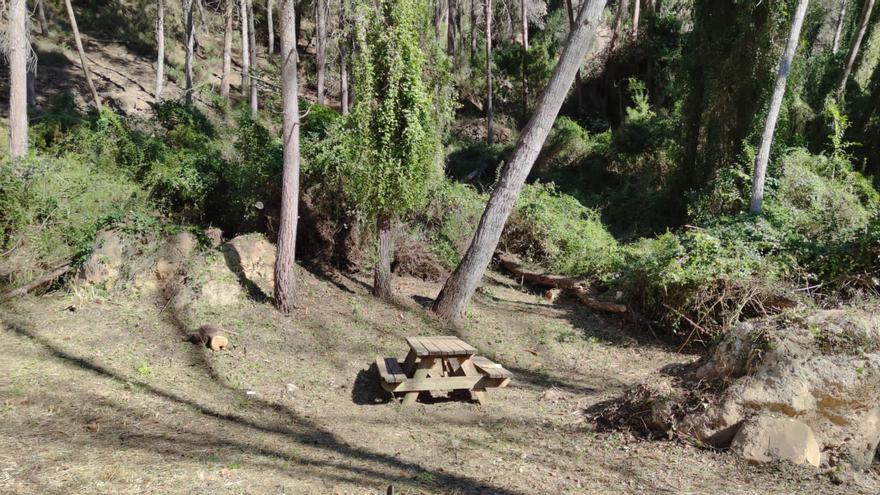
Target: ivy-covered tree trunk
[(321, 46), (838, 32), (763, 157), (41, 15), (487, 11), (82, 55), (160, 49), (189, 44), (245, 50), (382, 274), (285, 286), (459, 288), (864, 19), (227, 50), (17, 39), (252, 44)]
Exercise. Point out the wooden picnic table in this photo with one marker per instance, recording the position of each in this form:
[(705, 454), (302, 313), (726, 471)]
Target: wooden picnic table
[(441, 364)]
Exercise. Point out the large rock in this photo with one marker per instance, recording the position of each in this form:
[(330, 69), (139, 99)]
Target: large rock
[(766, 438), (822, 369), (104, 264), (252, 258)]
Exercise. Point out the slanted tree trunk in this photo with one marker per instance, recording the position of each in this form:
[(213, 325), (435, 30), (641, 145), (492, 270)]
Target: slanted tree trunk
[(160, 49), (41, 14), (578, 86), (636, 8), (245, 51), (775, 104), (227, 50), (285, 287), (856, 45), (450, 29), (82, 55), (321, 45), (487, 10), (343, 57), (617, 29), (524, 19), (252, 44), (190, 47), (382, 274), (838, 33), (270, 23), (17, 34), (460, 286)]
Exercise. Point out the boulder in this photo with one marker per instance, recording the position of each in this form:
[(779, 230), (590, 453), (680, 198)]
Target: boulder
[(104, 264), (766, 438), (252, 258)]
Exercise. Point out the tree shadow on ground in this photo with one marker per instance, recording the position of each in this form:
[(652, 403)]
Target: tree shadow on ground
[(285, 422)]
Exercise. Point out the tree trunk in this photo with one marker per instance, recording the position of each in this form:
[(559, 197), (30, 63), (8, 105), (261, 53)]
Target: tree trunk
[(190, 47), (473, 29), (31, 84), (460, 286), (524, 18), (775, 104), (617, 29), (343, 58), (857, 43), (18, 62), (382, 274), (321, 45), (487, 10), (450, 30), (270, 23), (227, 50), (841, 16), (285, 286), (82, 55), (577, 76), (636, 7), (41, 14), (245, 51), (252, 44), (160, 49)]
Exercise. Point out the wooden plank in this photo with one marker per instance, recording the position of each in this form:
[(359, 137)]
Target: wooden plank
[(415, 385), (409, 364), (455, 346), (389, 370), (432, 347), (490, 367), (478, 393), (416, 345), (424, 366)]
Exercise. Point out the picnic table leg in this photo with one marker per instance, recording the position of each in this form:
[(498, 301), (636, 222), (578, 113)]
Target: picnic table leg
[(426, 364), (409, 364), (477, 394)]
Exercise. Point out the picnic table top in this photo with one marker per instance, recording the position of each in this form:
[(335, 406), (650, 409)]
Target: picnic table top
[(440, 346)]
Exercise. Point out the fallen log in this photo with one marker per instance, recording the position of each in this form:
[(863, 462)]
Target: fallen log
[(58, 272), (577, 287), (210, 336)]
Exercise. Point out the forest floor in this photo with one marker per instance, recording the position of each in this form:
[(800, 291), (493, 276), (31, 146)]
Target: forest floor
[(102, 395)]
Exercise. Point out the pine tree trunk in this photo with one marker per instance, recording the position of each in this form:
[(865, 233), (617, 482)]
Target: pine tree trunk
[(382, 274), (473, 30), (252, 44), (285, 286), (18, 62), (636, 8), (857, 43), (577, 76), (450, 30), (82, 55), (190, 47), (524, 19), (160, 49), (31, 85), (487, 10), (245, 51), (343, 58), (41, 14), (460, 286), (763, 157), (838, 32), (321, 46), (617, 29), (270, 22), (227, 50)]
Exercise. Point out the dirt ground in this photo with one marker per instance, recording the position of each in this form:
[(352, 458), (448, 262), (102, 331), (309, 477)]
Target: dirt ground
[(107, 397)]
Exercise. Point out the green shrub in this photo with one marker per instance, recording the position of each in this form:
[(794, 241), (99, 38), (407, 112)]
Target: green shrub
[(450, 218)]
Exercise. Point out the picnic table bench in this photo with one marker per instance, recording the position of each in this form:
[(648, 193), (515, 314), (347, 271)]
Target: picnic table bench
[(441, 364)]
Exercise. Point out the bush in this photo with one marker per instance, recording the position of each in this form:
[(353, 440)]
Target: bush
[(450, 218)]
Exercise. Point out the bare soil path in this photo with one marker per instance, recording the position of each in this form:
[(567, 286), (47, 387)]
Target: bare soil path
[(108, 398)]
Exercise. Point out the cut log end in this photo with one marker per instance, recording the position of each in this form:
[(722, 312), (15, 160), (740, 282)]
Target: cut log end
[(218, 343)]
